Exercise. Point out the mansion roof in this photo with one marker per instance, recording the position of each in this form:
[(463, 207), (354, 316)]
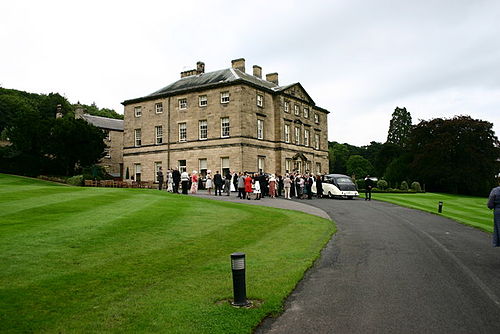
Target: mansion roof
[(213, 79)]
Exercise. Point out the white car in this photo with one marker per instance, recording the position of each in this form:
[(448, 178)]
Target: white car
[(338, 186)]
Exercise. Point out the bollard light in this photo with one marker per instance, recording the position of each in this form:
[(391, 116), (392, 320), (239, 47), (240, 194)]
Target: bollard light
[(440, 207), (239, 284)]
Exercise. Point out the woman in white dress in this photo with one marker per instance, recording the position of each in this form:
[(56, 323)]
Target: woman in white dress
[(209, 184), (170, 181), (256, 189)]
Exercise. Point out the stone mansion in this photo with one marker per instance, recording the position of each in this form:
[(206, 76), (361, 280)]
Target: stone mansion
[(225, 120)]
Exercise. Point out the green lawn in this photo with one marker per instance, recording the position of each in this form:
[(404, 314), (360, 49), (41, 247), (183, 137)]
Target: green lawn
[(86, 260), (465, 209)]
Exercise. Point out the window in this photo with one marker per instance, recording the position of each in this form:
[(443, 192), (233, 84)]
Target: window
[(260, 100), (159, 134), (287, 133), (137, 170), (157, 168), (261, 164), (182, 166), (107, 154), (138, 111), (318, 168), (297, 135), (306, 112), (307, 166), (306, 137), (182, 132), (316, 141), (203, 101), (203, 129), (183, 104), (137, 136), (316, 118), (296, 110), (288, 165), (203, 167), (159, 108), (260, 129), (224, 166), (224, 97), (287, 106), (224, 127), (107, 134)]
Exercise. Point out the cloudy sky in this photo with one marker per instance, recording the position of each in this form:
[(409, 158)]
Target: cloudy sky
[(358, 59)]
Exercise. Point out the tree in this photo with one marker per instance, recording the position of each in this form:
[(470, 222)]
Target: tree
[(359, 166), (458, 155), (75, 143), (399, 127), (386, 155)]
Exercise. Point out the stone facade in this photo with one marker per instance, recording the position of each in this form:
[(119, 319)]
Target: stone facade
[(245, 118), (113, 128)]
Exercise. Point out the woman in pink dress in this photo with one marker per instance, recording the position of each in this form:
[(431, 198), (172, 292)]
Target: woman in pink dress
[(272, 186), (194, 182)]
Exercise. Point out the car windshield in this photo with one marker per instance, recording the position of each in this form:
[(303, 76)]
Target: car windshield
[(344, 180)]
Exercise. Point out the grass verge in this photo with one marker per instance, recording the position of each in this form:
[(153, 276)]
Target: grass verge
[(78, 259), (468, 210)]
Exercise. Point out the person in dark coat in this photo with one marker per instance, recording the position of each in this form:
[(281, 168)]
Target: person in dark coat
[(319, 186), (280, 185), (309, 183), (368, 188), (494, 204), (176, 178), (159, 176), (292, 188), (218, 182)]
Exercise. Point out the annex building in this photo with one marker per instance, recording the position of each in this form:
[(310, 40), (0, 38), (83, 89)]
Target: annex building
[(225, 120)]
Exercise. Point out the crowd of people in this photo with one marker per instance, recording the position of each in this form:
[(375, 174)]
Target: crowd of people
[(247, 185)]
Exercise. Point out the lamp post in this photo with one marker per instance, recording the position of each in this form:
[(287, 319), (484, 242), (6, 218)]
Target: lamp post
[(239, 285)]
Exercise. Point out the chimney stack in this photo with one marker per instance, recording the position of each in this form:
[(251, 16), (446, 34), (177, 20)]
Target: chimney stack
[(272, 77), (200, 67), (257, 71), (238, 64)]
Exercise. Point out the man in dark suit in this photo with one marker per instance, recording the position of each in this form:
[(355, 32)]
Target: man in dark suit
[(159, 175), (368, 188), (218, 183), (176, 178)]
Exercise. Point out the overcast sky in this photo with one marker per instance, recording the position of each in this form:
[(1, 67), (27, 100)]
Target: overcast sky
[(358, 59)]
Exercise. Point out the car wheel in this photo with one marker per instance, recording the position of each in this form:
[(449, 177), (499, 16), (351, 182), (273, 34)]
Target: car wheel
[(330, 195)]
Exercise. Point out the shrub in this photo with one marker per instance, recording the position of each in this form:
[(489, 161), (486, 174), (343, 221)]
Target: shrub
[(404, 185), (382, 184), (360, 183), (76, 180), (416, 186)]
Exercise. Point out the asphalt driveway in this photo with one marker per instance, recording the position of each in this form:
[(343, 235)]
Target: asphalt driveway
[(395, 270)]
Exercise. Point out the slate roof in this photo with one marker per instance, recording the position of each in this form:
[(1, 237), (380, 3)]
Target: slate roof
[(104, 122), (223, 77), (203, 80)]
